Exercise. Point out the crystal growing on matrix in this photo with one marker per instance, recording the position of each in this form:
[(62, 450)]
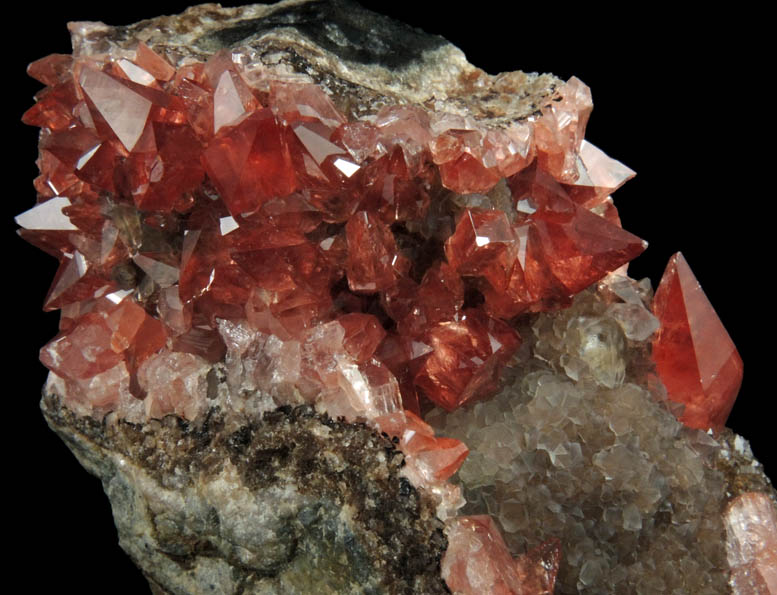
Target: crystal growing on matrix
[(314, 209)]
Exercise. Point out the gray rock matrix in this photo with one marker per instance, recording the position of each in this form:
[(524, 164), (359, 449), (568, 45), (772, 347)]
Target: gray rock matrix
[(293, 502)]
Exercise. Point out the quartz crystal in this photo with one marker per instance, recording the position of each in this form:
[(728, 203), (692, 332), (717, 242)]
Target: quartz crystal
[(344, 313)]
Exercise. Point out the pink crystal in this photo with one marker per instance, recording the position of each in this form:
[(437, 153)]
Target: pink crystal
[(174, 383), (560, 131), (538, 568), (153, 63), (432, 458), (477, 561), (123, 109), (751, 544)]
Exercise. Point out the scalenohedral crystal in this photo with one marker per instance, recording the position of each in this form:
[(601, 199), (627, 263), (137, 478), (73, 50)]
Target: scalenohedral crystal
[(305, 278)]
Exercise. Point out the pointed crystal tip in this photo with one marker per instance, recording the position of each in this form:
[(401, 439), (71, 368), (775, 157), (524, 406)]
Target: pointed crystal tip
[(694, 354)]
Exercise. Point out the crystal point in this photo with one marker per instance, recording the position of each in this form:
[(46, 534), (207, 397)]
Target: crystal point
[(694, 354), (47, 215), (124, 110)]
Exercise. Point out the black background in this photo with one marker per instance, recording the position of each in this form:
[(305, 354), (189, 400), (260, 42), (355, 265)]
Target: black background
[(678, 97)]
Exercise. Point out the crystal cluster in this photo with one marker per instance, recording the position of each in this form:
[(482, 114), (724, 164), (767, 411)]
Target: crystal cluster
[(210, 209), (176, 198), (234, 236)]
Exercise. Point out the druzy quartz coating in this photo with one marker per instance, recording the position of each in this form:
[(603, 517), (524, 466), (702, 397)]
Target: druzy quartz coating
[(238, 235)]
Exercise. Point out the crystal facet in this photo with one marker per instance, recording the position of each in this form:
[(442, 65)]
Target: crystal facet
[(695, 357)]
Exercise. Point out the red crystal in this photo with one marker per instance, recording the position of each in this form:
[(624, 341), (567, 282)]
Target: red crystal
[(123, 109), (51, 70), (135, 333), (77, 154), (250, 163), (467, 175), (206, 343), (440, 298), (581, 247), (82, 351), (210, 279), (538, 568), (197, 104), (373, 260), (414, 307), (363, 334), (101, 339), (695, 357), (404, 357), (153, 63), (434, 458), (304, 102), (54, 107), (560, 249), (483, 244), (172, 169), (74, 281), (466, 359), (387, 186)]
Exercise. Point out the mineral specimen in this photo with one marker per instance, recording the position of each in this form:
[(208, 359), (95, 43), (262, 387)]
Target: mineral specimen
[(268, 218)]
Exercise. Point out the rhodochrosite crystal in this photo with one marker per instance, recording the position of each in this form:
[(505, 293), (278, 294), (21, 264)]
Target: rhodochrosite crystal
[(694, 355), (303, 282)]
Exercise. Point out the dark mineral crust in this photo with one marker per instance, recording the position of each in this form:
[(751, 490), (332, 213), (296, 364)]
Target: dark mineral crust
[(293, 503)]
